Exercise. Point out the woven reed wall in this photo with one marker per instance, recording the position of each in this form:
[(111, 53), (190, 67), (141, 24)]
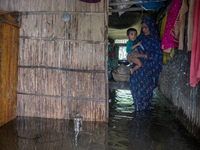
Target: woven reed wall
[(61, 76)]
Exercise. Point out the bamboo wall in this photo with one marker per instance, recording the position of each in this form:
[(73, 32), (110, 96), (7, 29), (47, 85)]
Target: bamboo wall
[(61, 76), (9, 45)]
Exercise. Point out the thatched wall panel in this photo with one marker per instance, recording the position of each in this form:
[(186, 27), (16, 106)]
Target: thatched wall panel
[(81, 26), (61, 83), (57, 54), (61, 108), (51, 5), (63, 75)]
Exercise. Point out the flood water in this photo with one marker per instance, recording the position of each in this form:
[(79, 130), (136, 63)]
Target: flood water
[(127, 130)]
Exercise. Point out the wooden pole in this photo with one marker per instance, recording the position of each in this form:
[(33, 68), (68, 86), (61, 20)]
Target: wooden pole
[(106, 59), (127, 9), (129, 2)]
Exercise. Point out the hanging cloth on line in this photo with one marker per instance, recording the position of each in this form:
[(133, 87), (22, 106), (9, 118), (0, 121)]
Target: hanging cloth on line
[(190, 25), (183, 11), (195, 57), (91, 1), (166, 56), (171, 34)]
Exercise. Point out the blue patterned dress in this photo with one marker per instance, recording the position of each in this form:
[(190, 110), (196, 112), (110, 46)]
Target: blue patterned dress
[(144, 80)]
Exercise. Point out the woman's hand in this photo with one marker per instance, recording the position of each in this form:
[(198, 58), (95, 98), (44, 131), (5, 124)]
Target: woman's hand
[(138, 44)]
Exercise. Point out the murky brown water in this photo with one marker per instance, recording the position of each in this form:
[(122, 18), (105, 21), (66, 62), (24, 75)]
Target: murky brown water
[(155, 130)]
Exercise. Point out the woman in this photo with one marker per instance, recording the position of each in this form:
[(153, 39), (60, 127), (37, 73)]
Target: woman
[(145, 79)]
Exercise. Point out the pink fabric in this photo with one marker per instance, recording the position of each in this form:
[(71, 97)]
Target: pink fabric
[(171, 32), (195, 57)]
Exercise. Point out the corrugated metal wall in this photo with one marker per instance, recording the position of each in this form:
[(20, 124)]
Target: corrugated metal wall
[(175, 85), (60, 76)]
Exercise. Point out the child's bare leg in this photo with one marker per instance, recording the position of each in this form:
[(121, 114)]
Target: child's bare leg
[(132, 71), (129, 58), (137, 63)]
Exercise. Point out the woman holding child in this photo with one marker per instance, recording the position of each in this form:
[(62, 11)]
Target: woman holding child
[(144, 80)]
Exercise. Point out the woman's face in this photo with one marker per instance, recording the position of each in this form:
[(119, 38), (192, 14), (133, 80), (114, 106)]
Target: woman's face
[(145, 29)]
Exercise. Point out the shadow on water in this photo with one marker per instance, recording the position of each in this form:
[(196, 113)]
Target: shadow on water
[(155, 130)]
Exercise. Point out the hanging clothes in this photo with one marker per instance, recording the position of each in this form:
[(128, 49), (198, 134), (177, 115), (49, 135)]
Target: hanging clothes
[(164, 20), (195, 57), (171, 33), (183, 11), (91, 1), (112, 57), (190, 25)]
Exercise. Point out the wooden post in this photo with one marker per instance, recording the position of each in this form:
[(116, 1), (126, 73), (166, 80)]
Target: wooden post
[(9, 45)]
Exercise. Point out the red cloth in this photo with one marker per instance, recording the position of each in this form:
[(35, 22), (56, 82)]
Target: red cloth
[(195, 57), (111, 54), (91, 1)]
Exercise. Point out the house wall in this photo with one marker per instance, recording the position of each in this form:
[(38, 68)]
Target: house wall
[(175, 85), (61, 76)]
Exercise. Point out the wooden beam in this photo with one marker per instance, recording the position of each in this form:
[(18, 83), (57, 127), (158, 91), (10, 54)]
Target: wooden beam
[(125, 3), (63, 69), (65, 97), (11, 18), (61, 39), (128, 2), (56, 12), (127, 9)]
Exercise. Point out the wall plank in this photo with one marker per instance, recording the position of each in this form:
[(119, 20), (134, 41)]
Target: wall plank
[(9, 46)]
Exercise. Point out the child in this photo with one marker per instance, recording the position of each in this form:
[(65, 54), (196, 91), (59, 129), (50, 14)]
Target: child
[(131, 48)]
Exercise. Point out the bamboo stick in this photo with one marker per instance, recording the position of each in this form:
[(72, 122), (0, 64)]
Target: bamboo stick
[(26, 13), (60, 39), (57, 96), (129, 2), (127, 9)]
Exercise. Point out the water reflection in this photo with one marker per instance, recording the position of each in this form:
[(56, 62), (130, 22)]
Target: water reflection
[(127, 130), (35, 133), (157, 129)]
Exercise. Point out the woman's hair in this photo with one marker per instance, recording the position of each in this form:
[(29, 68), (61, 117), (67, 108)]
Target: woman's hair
[(130, 29)]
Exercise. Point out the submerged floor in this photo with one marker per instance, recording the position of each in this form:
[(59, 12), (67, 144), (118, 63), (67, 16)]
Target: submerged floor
[(155, 130)]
